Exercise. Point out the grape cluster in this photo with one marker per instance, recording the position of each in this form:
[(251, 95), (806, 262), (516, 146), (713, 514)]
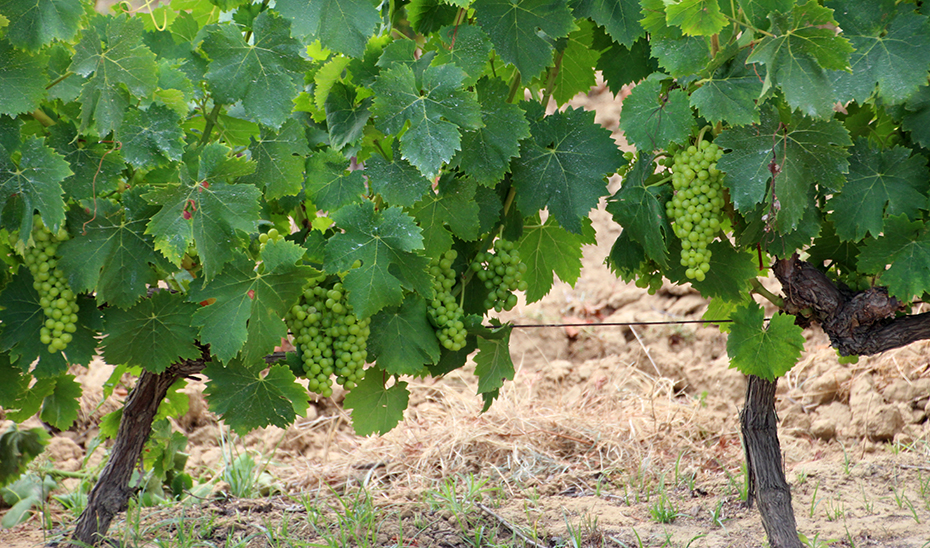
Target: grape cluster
[(272, 235), (332, 340), (648, 277), (502, 274), (444, 310), (846, 360), (696, 208), (58, 302)]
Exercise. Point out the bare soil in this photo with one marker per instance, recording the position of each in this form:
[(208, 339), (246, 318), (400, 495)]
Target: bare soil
[(599, 422)]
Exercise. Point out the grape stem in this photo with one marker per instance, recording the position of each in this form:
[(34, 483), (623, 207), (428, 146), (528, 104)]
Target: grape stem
[(42, 118), (553, 73), (514, 86), (211, 121), (759, 289), (660, 182)]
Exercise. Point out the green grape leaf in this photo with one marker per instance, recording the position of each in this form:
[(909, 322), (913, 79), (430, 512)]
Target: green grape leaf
[(30, 401), (402, 340), (250, 304), (514, 30), (151, 137), (326, 77), (679, 55), (33, 183), (329, 183), (547, 248), (575, 75), (764, 352), (428, 16), (619, 18), (111, 254), (730, 272), (489, 208), (729, 95), (12, 383), (454, 206), (905, 245), (204, 210), (486, 152), (880, 182), (383, 241), (695, 17), (398, 182), (60, 408), (36, 23), (916, 117), (465, 46), (721, 310), (376, 408), (652, 120), (493, 365), (564, 164), (620, 65), (154, 334), (23, 318), (892, 49), (758, 10), (97, 167), (345, 118), (22, 80), (435, 114), (827, 246), (802, 48), (247, 400), (120, 63), (17, 449), (279, 158), (806, 152), (271, 63), (626, 257), (340, 25), (639, 211)]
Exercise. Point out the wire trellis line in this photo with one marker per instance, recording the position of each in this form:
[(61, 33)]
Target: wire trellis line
[(616, 324)]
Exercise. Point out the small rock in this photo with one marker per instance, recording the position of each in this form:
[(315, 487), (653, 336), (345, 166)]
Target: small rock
[(830, 420), (823, 429), (824, 388), (900, 390), (883, 422)]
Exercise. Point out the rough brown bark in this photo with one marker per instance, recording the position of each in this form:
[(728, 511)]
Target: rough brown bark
[(111, 493), (763, 460), (861, 323)]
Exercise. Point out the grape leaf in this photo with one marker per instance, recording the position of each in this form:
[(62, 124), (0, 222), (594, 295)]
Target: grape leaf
[(383, 241), (620, 65), (678, 54), (22, 79), (730, 272), (32, 183), (652, 120), (120, 63), (619, 18), (36, 23), (828, 247), (247, 400), (892, 49), (638, 210), (111, 254), (547, 248), (757, 11), (729, 94), (486, 152), (339, 25), (154, 333), (279, 158), (396, 181), (151, 137), (905, 245), (802, 48), (329, 183), (374, 407), (806, 152), (428, 16), (454, 206), (435, 114), (325, 78), (492, 362), (574, 75), (721, 310), (402, 340), (695, 17), (271, 63), (345, 119), (250, 304), (467, 47), (514, 30), (626, 257), (12, 383), (30, 401), (60, 408), (564, 164), (916, 117), (17, 449), (888, 181), (97, 167), (214, 210), (766, 353)]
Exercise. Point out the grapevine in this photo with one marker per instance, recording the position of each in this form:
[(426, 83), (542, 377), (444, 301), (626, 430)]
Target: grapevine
[(58, 302), (502, 274), (444, 310)]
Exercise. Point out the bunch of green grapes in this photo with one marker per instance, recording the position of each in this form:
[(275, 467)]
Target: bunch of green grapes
[(444, 309), (272, 235), (502, 274), (648, 277), (846, 360), (696, 208), (58, 302), (332, 340)]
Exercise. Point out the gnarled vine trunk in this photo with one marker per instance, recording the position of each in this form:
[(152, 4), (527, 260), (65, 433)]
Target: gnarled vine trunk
[(767, 483)]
